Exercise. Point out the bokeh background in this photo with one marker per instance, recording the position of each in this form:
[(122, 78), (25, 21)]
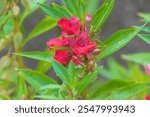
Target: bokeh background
[(125, 14)]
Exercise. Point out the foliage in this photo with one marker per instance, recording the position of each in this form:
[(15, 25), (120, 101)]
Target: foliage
[(146, 29)]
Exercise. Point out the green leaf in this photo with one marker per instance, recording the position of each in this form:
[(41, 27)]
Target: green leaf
[(119, 90), (143, 28), (9, 26), (139, 58), (51, 86), (145, 37), (21, 88), (43, 66), (114, 71), (35, 78), (72, 6), (34, 4), (61, 72), (4, 42), (145, 16), (3, 82), (82, 10), (62, 9), (3, 19), (94, 86), (2, 34), (43, 56), (71, 71), (47, 97), (101, 15), (86, 81), (4, 97), (29, 7), (45, 25), (51, 11), (117, 41), (128, 92), (92, 7)]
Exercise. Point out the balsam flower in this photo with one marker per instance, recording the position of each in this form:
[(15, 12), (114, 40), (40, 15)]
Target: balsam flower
[(77, 40)]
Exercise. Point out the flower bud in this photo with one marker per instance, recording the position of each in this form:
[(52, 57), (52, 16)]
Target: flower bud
[(148, 69), (3, 43), (96, 51), (15, 10), (88, 17), (17, 40), (5, 62), (90, 64)]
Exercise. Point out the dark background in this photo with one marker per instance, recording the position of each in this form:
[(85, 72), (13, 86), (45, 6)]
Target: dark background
[(123, 15)]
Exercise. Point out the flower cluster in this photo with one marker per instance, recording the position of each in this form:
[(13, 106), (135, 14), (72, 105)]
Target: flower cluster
[(76, 38)]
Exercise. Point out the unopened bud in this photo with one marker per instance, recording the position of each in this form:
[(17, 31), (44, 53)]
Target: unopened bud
[(74, 58), (90, 64), (5, 62), (17, 40), (148, 69), (96, 51), (15, 10), (88, 17)]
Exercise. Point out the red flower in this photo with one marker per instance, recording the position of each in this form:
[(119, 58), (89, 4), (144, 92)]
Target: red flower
[(55, 42), (147, 97), (71, 26), (76, 39), (62, 56)]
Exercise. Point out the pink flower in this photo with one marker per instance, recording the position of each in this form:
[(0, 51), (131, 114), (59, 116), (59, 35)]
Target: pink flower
[(88, 17), (71, 26), (148, 69), (147, 97)]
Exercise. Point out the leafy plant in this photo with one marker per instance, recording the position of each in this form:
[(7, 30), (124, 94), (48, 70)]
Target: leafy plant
[(73, 55)]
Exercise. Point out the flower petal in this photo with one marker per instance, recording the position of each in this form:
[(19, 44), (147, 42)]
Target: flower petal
[(81, 50), (62, 56), (55, 42), (71, 26)]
